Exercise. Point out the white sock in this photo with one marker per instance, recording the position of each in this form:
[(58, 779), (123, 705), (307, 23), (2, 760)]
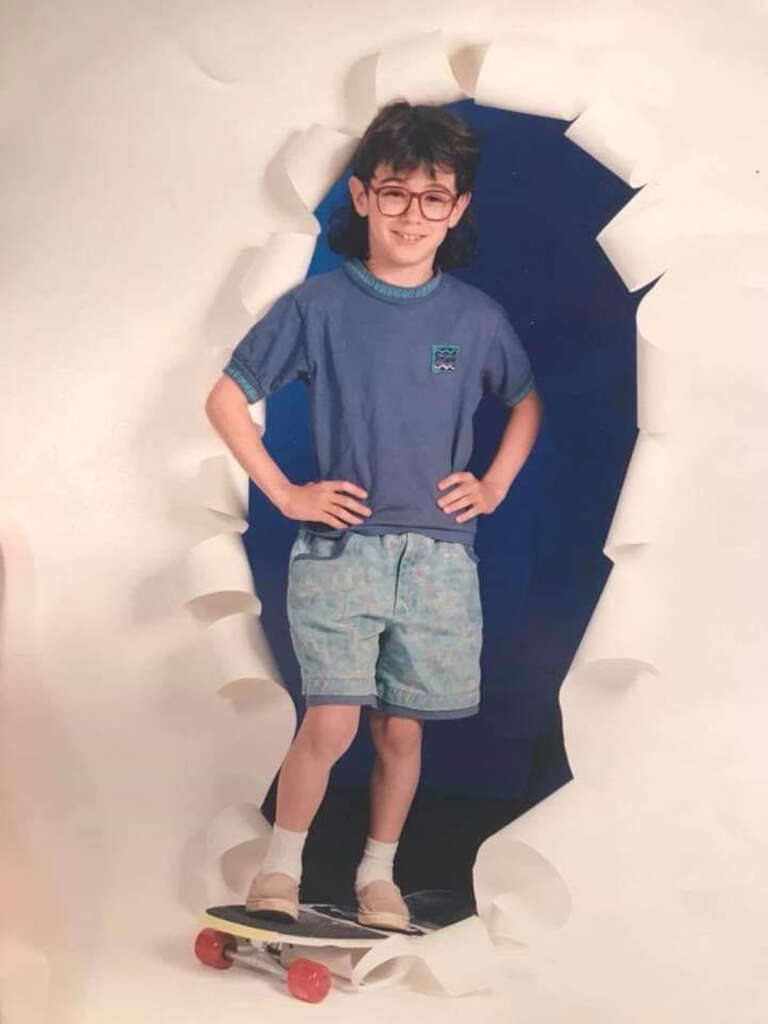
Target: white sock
[(284, 852), (377, 862)]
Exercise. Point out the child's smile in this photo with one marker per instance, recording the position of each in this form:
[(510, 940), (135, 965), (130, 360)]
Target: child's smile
[(407, 238), (402, 247)]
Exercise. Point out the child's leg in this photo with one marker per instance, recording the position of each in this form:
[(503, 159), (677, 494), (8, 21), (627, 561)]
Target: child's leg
[(325, 734), (394, 780)]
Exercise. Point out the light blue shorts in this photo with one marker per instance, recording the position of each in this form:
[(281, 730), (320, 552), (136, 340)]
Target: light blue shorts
[(389, 620)]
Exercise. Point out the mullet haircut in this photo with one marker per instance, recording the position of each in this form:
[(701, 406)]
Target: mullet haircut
[(409, 136)]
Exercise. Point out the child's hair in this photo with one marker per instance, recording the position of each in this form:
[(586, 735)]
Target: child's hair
[(408, 136)]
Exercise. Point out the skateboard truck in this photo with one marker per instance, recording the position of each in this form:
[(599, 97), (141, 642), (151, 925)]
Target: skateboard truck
[(305, 979)]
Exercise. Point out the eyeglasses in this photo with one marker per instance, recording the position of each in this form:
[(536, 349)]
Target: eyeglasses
[(393, 200)]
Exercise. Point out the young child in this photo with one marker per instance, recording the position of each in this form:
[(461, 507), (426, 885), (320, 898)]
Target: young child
[(383, 598)]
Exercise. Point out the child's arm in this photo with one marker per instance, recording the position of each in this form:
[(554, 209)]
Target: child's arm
[(227, 410), (468, 495), (515, 444), (324, 501)]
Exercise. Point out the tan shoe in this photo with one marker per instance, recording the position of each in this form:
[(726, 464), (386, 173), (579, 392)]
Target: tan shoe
[(381, 905), (275, 894)]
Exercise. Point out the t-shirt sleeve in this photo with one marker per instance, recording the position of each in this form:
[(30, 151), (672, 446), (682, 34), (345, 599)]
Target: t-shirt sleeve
[(273, 352), (507, 370)]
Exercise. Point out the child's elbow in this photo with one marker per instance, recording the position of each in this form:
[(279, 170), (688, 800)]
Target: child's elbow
[(225, 392)]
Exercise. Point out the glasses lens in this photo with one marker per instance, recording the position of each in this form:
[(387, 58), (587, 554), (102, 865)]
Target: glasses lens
[(434, 205), (393, 200)]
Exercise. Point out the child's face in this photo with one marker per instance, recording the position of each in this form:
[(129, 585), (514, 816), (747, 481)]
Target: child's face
[(386, 240)]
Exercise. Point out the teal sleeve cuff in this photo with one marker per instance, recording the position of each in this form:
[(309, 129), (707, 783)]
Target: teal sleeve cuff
[(520, 394), (250, 387)]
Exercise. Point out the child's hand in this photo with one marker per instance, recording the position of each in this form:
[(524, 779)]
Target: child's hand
[(324, 502), (477, 496)]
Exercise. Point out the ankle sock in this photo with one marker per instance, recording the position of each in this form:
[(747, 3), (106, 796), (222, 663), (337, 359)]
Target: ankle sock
[(284, 852), (377, 862)]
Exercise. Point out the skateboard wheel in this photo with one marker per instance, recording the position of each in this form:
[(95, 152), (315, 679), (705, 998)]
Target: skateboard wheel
[(308, 980), (212, 946)]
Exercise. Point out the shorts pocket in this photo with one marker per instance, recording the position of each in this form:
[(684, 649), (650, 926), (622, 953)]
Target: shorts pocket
[(470, 554), (316, 548)]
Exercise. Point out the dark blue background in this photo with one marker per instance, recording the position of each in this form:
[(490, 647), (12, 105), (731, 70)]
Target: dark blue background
[(539, 201)]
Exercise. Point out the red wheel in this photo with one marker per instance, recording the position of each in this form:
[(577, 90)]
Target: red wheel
[(308, 980), (211, 948)]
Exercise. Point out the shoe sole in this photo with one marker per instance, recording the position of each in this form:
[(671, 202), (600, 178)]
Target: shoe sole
[(383, 919), (275, 907)]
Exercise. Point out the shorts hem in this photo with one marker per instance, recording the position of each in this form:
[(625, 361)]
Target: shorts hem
[(312, 699), (403, 711)]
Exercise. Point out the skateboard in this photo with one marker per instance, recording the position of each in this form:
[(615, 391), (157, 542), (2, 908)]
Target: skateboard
[(264, 942)]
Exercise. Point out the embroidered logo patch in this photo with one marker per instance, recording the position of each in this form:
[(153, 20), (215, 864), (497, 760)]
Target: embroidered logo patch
[(444, 357)]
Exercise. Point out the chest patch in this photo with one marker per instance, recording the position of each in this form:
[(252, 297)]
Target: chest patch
[(444, 358)]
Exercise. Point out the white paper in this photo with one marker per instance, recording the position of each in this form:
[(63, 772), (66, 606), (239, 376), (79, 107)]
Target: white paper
[(236, 842), (24, 983), (628, 620), (533, 74), (281, 263), (417, 70), (218, 577), (343, 961), (659, 842), (622, 138), (654, 390), (638, 514), (242, 651), (222, 485), (460, 956), (315, 159)]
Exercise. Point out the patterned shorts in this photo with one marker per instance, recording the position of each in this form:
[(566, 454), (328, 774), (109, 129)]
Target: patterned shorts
[(390, 620)]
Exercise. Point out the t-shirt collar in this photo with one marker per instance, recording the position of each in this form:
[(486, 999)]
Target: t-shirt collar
[(362, 276)]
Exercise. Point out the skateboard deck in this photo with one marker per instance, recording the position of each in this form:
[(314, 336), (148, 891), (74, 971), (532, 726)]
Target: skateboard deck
[(233, 935), (317, 925)]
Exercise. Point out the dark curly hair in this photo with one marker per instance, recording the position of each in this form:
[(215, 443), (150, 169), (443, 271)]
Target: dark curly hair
[(408, 136)]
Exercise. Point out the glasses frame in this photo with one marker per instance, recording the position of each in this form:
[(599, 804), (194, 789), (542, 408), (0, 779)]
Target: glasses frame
[(411, 194)]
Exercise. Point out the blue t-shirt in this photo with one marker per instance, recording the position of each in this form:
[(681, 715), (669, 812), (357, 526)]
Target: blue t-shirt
[(394, 375)]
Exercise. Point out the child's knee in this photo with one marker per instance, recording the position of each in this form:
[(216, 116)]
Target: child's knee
[(394, 736), (329, 729)]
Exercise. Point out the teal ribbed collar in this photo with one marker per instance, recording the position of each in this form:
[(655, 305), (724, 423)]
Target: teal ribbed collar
[(362, 276)]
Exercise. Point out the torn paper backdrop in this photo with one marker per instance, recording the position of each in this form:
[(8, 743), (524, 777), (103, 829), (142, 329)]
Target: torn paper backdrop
[(131, 181)]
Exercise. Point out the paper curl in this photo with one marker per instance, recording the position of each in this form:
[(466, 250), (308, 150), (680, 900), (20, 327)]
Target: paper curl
[(460, 956), (235, 844), (218, 578), (280, 264), (314, 161), (654, 393), (626, 625), (609, 719), (418, 70), (242, 652), (519, 893), (637, 249), (637, 517), (620, 137), (222, 486), (549, 79)]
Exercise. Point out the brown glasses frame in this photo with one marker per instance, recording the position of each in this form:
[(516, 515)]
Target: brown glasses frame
[(373, 188)]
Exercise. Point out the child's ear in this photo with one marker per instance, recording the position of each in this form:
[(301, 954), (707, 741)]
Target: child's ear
[(358, 195), (460, 207)]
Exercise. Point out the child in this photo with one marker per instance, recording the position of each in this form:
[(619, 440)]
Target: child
[(383, 598)]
